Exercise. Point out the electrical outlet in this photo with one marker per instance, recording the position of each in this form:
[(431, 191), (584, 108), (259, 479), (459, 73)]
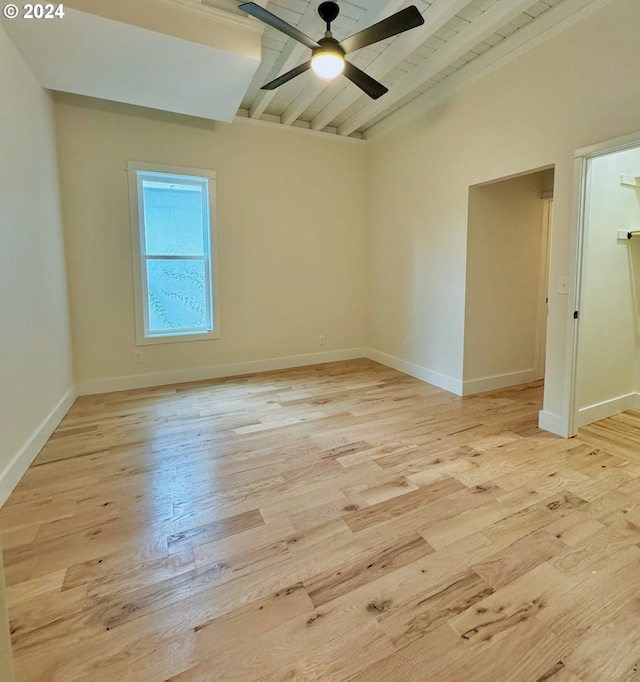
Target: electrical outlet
[(137, 356), (323, 339), (404, 348)]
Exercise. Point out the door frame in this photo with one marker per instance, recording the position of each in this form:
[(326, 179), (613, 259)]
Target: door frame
[(582, 185), (543, 286)]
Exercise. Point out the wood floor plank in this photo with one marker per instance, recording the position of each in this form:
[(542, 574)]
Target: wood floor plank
[(434, 606), (558, 673), (525, 654), (332, 584), (518, 559), (610, 653), (335, 522), (146, 660), (605, 542), (416, 661), (338, 660), (520, 525), (114, 573), (398, 506), (32, 589), (600, 595), (574, 528), (498, 614), (36, 667), (232, 631), (214, 531)]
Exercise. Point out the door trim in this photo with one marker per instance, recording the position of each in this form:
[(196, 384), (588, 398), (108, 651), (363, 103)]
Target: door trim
[(582, 159), (543, 287)]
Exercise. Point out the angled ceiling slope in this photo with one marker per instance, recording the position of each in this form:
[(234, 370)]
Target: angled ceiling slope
[(460, 42), (173, 55)]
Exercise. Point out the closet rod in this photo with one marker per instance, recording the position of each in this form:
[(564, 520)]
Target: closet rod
[(633, 233)]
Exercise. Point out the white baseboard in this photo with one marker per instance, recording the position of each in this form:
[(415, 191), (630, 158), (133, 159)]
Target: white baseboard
[(127, 383), (497, 381), (607, 408), (554, 423), (21, 461), (427, 375)]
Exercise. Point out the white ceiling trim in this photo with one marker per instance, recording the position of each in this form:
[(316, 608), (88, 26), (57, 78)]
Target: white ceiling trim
[(553, 22)]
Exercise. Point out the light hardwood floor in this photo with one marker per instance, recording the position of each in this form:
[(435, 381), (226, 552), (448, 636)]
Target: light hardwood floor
[(338, 522)]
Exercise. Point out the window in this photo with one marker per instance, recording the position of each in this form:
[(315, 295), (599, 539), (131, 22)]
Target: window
[(174, 253)]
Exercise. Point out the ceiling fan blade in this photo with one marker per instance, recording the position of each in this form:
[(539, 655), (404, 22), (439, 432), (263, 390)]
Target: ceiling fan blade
[(367, 84), (397, 23), (261, 13), (286, 77)]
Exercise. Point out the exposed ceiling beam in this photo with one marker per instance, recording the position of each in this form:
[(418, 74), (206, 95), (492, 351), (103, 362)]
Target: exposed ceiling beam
[(312, 89), (552, 22), (493, 19), (290, 57), (435, 17), (315, 87)]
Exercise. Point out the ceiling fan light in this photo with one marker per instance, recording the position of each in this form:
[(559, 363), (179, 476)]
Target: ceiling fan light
[(327, 65)]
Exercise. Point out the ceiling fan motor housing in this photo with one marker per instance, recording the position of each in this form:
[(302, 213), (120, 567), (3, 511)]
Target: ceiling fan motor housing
[(328, 45)]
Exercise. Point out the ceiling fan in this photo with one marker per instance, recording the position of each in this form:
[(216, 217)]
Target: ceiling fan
[(327, 54)]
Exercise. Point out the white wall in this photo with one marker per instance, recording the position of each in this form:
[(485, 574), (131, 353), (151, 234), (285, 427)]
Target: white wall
[(35, 351), (609, 342), (504, 244), (291, 231), (576, 89)]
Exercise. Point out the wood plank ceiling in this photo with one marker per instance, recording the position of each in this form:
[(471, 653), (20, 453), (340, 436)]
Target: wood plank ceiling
[(459, 42)]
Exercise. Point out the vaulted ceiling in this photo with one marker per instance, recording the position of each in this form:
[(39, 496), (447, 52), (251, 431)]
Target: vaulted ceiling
[(460, 41), (207, 58)]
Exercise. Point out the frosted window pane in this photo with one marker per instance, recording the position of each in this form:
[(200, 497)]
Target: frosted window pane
[(173, 219), (177, 295)]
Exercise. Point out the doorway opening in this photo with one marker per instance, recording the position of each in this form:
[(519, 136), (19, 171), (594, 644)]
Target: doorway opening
[(507, 275), (606, 369)]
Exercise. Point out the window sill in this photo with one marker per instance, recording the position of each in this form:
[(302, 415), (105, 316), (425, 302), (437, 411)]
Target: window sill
[(177, 338)]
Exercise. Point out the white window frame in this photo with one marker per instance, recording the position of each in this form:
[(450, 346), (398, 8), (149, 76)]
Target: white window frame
[(207, 178)]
